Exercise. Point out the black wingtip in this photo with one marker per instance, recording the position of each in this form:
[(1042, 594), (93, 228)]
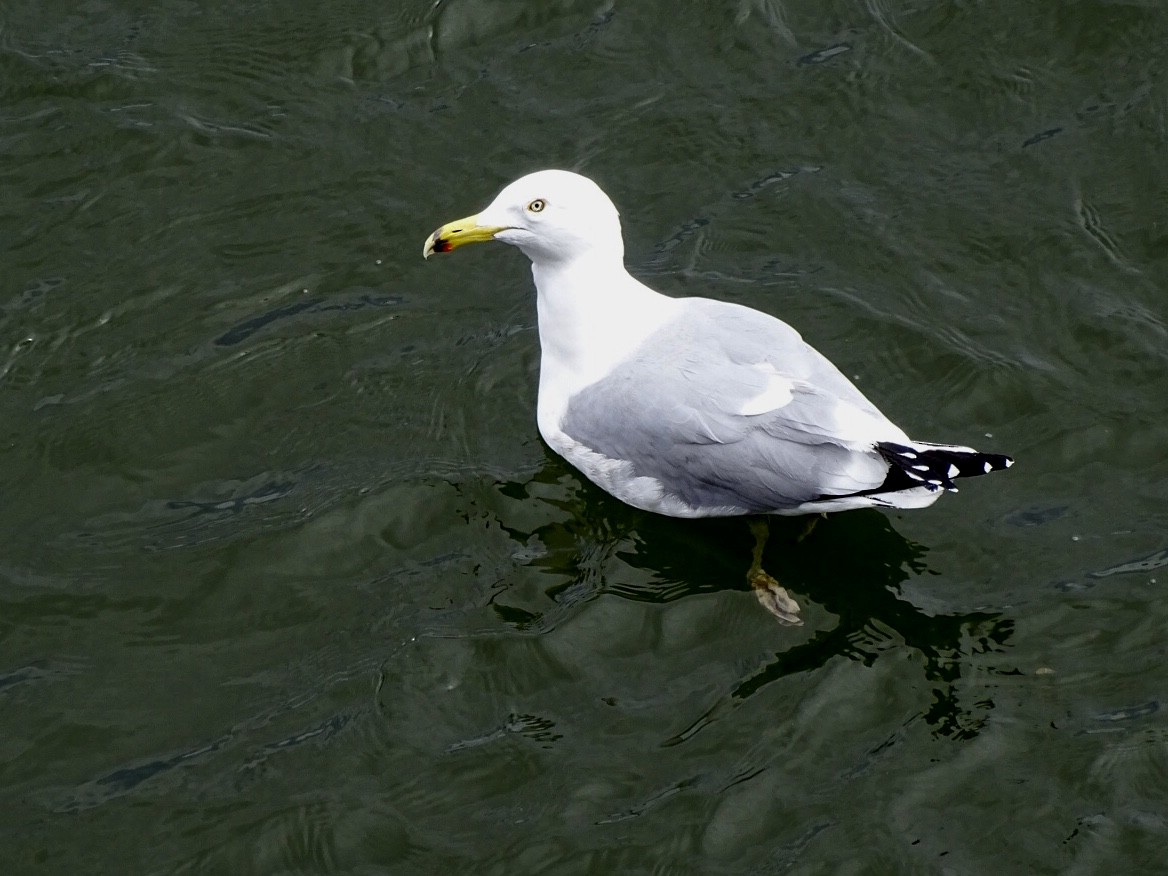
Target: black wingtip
[(939, 465)]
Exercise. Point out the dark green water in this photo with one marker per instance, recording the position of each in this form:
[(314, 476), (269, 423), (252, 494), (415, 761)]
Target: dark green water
[(289, 584)]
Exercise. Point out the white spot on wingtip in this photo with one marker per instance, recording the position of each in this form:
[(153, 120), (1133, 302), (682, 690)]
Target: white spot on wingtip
[(954, 471), (986, 467), (1009, 462)]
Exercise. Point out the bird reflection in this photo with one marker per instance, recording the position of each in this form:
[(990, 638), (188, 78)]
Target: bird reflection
[(852, 565)]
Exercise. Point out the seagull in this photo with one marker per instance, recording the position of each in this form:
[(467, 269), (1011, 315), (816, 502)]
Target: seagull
[(693, 407)]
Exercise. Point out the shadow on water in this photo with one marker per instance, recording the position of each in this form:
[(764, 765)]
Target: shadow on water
[(852, 565)]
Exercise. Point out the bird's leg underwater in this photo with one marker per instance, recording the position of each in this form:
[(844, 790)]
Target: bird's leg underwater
[(771, 594), (809, 528)]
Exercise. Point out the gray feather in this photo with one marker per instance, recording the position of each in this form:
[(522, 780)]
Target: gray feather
[(673, 411)]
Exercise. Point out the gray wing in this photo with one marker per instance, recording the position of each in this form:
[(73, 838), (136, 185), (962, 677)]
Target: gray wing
[(729, 407)]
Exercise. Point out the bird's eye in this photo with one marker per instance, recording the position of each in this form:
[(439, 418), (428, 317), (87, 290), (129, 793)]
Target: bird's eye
[(537, 205)]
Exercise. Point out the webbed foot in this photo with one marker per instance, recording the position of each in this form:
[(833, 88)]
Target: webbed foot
[(775, 599)]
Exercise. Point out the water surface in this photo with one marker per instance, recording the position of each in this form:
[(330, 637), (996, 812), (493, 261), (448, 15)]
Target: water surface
[(289, 582)]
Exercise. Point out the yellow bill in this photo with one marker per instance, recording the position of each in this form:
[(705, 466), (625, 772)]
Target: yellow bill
[(452, 235)]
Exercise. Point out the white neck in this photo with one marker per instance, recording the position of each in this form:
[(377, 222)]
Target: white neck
[(592, 316)]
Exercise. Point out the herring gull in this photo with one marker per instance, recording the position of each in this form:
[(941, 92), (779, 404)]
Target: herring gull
[(692, 407)]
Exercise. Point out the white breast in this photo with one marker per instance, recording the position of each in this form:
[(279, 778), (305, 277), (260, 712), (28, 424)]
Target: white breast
[(588, 325)]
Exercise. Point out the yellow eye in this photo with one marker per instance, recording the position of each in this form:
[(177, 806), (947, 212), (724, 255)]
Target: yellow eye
[(537, 205)]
